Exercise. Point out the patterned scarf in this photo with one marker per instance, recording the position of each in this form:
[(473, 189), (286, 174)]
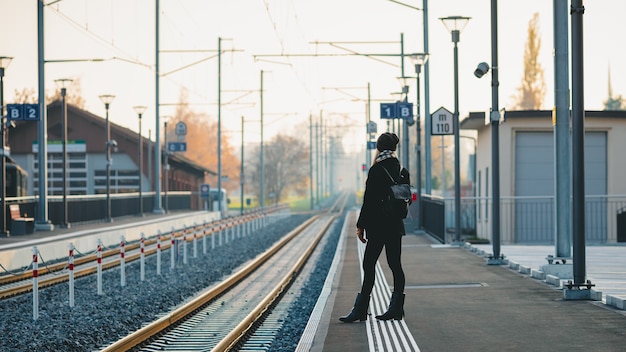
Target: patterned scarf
[(385, 154)]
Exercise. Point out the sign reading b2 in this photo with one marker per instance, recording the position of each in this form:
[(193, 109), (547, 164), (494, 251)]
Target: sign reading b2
[(25, 112)]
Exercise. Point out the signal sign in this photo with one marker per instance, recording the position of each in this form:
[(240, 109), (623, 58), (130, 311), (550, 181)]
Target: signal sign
[(397, 110), (442, 122), (26, 112), (176, 146)]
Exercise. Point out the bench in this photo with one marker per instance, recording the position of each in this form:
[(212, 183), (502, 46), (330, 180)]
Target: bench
[(20, 225)]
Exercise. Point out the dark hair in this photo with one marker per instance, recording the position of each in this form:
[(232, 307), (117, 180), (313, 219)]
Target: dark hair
[(387, 141)]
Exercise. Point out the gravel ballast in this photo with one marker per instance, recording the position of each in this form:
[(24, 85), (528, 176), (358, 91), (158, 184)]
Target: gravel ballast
[(96, 321)]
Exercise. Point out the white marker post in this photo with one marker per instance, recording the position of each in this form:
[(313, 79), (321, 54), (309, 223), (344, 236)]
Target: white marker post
[(71, 273), (172, 250), (35, 285), (142, 258), (158, 254), (185, 244), (122, 262)]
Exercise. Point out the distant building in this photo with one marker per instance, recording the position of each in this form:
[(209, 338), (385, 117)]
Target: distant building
[(527, 175), (86, 162)]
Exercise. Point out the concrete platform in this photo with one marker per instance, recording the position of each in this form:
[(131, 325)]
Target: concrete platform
[(456, 302)]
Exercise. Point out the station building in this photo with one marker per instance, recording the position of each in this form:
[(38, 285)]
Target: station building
[(528, 181), (87, 160)]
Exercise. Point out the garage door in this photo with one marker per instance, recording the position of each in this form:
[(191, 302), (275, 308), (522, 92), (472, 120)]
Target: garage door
[(534, 187)]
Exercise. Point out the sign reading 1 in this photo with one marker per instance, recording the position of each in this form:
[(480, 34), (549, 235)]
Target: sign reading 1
[(397, 110), (442, 122)]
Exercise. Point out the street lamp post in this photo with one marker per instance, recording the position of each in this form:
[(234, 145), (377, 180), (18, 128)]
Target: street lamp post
[(4, 62), (418, 61), (107, 99), (455, 24), (242, 178), (140, 109), (62, 83), (166, 165)]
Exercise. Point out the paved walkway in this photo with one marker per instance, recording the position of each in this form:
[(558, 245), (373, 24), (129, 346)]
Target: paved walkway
[(605, 266), (456, 302)]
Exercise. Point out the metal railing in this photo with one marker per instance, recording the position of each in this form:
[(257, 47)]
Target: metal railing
[(531, 220)]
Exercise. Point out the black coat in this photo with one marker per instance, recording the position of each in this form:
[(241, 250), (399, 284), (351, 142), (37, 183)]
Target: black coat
[(376, 187)]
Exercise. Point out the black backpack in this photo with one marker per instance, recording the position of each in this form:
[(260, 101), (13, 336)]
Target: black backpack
[(396, 202)]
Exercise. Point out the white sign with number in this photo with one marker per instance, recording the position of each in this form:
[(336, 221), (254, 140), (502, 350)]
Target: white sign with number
[(442, 122)]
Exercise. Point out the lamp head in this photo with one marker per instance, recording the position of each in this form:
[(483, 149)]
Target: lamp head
[(63, 83), (140, 109), (107, 99), (5, 61), (481, 69), (419, 60), (455, 25)]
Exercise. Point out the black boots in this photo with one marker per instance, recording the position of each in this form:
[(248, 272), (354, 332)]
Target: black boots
[(359, 311), (396, 308)]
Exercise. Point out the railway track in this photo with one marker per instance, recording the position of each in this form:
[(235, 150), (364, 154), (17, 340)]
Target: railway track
[(221, 317), (56, 273)]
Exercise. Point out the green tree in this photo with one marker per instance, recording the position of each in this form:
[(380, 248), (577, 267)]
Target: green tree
[(532, 91)]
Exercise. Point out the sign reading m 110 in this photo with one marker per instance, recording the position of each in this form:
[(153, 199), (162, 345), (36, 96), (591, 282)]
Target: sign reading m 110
[(442, 122)]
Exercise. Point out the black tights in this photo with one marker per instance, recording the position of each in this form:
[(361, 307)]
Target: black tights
[(393, 249)]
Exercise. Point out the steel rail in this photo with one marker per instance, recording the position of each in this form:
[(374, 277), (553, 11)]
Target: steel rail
[(158, 326), (132, 254), (239, 332)]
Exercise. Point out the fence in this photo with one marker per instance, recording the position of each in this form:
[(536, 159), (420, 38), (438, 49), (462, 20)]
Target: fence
[(531, 220), (92, 208)]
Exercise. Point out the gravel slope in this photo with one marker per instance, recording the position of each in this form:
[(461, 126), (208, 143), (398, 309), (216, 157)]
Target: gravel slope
[(96, 321)]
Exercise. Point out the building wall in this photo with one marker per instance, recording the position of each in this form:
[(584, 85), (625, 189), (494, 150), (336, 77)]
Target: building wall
[(82, 125), (614, 127)]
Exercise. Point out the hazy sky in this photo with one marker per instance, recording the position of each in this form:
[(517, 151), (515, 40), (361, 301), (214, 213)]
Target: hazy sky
[(293, 86)]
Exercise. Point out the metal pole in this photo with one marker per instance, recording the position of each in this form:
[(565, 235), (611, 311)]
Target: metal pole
[(3, 165), (427, 137), (241, 178), (157, 150), (311, 158), (140, 168), (418, 151), (405, 124), (562, 139), (262, 200), (495, 140), (42, 128), (457, 153), (219, 124), (322, 156), (368, 153), (66, 222), (108, 166), (578, 143), (167, 166), (317, 161)]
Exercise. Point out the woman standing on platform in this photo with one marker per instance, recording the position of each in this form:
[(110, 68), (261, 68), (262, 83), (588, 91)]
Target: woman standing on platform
[(379, 231)]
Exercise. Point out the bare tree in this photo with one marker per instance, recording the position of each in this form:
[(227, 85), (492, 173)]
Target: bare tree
[(533, 89), (74, 95), (286, 161)]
